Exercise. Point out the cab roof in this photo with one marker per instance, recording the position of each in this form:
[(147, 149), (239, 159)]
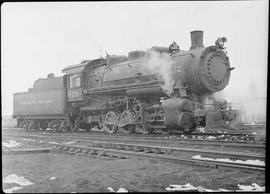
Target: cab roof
[(77, 68)]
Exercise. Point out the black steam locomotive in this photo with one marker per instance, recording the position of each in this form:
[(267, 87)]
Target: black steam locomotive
[(163, 89)]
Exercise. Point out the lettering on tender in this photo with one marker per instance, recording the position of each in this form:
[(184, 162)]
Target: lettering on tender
[(36, 102)]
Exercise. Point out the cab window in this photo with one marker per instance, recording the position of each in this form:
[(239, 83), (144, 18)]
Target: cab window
[(74, 81)]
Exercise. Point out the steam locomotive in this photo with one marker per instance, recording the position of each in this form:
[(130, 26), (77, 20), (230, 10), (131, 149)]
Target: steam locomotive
[(161, 89)]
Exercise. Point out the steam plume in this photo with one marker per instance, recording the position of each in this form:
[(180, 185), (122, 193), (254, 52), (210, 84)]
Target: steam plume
[(250, 101), (161, 64)]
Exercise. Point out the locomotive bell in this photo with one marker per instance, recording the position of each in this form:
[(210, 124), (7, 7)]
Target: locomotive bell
[(220, 42)]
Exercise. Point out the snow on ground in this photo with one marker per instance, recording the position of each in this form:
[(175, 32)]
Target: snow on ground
[(183, 136), (32, 140), (110, 189), (11, 144), (53, 142), (185, 187), (201, 129), (210, 137), (189, 187), (120, 190), (12, 189), (252, 187), (70, 142), (13, 178), (253, 162), (28, 139)]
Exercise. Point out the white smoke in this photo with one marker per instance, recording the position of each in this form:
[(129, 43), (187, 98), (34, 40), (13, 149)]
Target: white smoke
[(161, 64), (248, 98)]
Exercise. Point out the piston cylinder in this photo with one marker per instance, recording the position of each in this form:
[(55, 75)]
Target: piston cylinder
[(178, 114)]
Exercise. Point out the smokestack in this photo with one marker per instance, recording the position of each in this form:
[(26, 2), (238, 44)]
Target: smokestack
[(196, 39)]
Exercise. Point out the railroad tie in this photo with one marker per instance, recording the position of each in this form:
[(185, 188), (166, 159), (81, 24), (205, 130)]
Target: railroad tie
[(208, 165), (107, 145), (113, 156), (56, 148), (120, 147), (78, 150), (168, 151), (92, 152), (103, 153), (113, 146), (85, 151), (137, 149), (71, 149), (99, 145), (65, 148), (128, 148), (157, 151), (121, 157), (148, 150)]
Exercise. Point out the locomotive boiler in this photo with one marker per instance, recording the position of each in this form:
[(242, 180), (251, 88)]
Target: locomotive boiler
[(163, 89)]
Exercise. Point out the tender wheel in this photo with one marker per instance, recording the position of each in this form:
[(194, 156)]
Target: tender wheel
[(64, 125), (165, 131), (126, 122), (55, 125), (20, 124), (144, 129), (110, 122), (24, 124), (30, 125), (36, 125)]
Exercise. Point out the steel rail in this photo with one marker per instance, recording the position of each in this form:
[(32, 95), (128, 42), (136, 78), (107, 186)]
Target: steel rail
[(212, 164), (164, 141), (161, 148), (153, 134)]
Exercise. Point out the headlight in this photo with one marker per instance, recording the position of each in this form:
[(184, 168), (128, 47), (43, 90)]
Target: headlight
[(220, 42)]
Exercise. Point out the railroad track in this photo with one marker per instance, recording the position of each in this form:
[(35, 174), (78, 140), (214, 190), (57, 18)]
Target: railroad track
[(96, 132), (148, 136), (150, 140), (82, 150), (165, 153)]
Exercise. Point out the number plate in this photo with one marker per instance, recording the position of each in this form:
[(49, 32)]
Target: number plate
[(75, 95)]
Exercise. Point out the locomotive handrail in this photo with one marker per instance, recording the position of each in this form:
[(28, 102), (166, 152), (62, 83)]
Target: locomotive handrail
[(123, 87)]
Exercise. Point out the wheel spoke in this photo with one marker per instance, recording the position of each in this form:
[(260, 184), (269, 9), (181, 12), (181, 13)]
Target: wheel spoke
[(126, 122), (144, 129), (110, 123)]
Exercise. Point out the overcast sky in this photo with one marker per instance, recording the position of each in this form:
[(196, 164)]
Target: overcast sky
[(40, 38)]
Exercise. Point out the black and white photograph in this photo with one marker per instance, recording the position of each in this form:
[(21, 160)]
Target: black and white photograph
[(134, 96)]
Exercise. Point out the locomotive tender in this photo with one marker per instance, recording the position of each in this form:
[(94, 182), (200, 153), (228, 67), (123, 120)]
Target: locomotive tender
[(124, 93)]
